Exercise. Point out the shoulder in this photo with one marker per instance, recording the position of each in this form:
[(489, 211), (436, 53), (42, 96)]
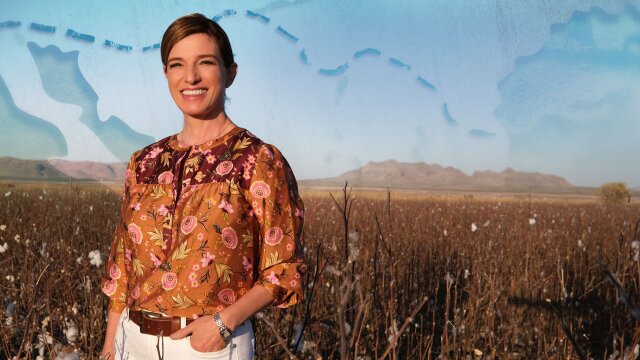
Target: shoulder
[(151, 151)]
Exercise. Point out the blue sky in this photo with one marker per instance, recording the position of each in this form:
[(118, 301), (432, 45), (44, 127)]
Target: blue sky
[(536, 86)]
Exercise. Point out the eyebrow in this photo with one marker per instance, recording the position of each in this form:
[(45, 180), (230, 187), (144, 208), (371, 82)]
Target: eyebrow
[(197, 57)]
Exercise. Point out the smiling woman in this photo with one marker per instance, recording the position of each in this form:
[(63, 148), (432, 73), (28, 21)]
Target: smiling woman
[(210, 222)]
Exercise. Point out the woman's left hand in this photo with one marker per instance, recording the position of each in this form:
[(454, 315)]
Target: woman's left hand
[(205, 336)]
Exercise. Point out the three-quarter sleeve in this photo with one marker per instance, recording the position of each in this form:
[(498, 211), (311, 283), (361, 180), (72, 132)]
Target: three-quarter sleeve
[(276, 204), (114, 283)]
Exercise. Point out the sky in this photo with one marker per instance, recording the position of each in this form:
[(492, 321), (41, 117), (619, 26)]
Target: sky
[(540, 86)]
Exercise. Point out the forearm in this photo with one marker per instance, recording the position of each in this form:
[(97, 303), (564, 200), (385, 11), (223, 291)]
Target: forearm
[(246, 306), (112, 326)]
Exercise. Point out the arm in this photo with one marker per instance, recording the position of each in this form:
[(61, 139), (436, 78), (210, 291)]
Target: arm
[(110, 336)]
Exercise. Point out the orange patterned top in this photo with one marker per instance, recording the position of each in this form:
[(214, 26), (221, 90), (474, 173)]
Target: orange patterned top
[(199, 226)]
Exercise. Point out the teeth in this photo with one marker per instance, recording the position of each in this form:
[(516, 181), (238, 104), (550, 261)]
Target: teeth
[(194, 92)]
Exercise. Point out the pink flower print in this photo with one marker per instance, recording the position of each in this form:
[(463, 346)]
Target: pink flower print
[(246, 264), (246, 174), (115, 272), (159, 299), (260, 189), (289, 247), (127, 254), (154, 152), (229, 238), (169, 281), (136, 206), (273, 236), (299, 213), (293, 283), (225, 206), (251, 159), (136, 292), (143, 217), (155, 260), (109, 287), (195, 267), (224, 167), (194, 283), (268, 152), (273, 278), (210, 158), (162, 210), (227, 296), (135, 234), (188, 224), (200, 236), (279, 164), (165, 178), (193, 276), (259, 212), (269, 174), (207, 259)]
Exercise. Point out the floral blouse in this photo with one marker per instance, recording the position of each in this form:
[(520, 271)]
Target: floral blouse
[(201, 225)]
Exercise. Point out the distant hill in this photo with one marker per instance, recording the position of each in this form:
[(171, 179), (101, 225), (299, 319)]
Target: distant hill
[(396, 174), (59, 170), (29, 170)]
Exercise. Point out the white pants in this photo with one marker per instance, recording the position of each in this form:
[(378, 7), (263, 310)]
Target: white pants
[(131, 344)]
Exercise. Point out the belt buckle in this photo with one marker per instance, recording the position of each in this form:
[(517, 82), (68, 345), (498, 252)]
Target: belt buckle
[(152, 314)]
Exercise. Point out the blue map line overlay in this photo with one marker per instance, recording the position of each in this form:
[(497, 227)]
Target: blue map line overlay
[(334, 72), (304, 58), (398, 63), (151, 47), (447, 115), (481, 133), (10, 24), (255, 15), (424, 82), (225, 13), (367, 51), (286, 34), (84, 37), (43, 28), (117, 46)]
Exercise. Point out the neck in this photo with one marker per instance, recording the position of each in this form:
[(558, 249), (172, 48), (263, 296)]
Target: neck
[(195, 131)]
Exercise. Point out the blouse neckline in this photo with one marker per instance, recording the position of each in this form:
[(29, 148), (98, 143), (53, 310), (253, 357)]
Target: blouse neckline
[(175, 144)]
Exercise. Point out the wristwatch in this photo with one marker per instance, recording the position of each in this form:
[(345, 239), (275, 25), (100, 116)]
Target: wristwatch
[(224, 330)]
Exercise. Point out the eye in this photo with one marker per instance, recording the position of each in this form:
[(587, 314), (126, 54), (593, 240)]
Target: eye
[(208, 62), (171, 66)]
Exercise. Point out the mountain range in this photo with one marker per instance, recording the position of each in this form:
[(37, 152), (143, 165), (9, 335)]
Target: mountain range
[(384, 174)]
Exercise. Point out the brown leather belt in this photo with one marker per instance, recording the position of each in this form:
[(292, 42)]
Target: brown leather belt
[(153, 325)]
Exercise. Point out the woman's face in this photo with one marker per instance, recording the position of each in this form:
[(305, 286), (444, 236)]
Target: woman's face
[(197, 77)]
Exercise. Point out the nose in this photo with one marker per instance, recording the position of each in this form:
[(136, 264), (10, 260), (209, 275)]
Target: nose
[(192, 76)]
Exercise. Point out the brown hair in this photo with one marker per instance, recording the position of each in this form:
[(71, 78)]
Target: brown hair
[(195, 24)]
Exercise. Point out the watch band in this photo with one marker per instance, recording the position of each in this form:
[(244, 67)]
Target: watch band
[(224, 330)]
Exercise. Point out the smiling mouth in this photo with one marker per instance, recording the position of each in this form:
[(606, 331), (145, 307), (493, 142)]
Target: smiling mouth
[(193, 92)]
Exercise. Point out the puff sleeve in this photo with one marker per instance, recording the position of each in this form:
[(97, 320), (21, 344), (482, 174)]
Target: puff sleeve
[(276, 204), (114, 283)]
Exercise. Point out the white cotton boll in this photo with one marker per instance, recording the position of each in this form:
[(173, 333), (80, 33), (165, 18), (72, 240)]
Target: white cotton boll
[(71, 333), (532, 221), (3, 227), (486, 223), (16, 238), (79, 260), (95, 258), (445, 232), (4, 248), (10, 278), (7, 194), (474, 227)]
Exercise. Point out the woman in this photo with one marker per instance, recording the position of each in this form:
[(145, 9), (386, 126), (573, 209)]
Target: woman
[(210, 220)]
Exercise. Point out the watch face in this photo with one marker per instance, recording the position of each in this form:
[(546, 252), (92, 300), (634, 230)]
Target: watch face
[(226, 333)]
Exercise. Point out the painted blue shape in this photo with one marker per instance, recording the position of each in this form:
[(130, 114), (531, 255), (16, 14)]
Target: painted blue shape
[(84, 37), (43, 28), (10, 24), (398, 63), (481, 133), (63, 81), (334, 72), (422, 81), (286, 34), (117, 46), (367, 51), (255, 15), (447, 115), (225, 13), (151, 47), (24, 135), (304, 58)]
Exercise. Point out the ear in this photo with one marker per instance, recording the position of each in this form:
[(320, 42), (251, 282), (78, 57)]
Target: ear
[(164, 69), (231, 74)]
